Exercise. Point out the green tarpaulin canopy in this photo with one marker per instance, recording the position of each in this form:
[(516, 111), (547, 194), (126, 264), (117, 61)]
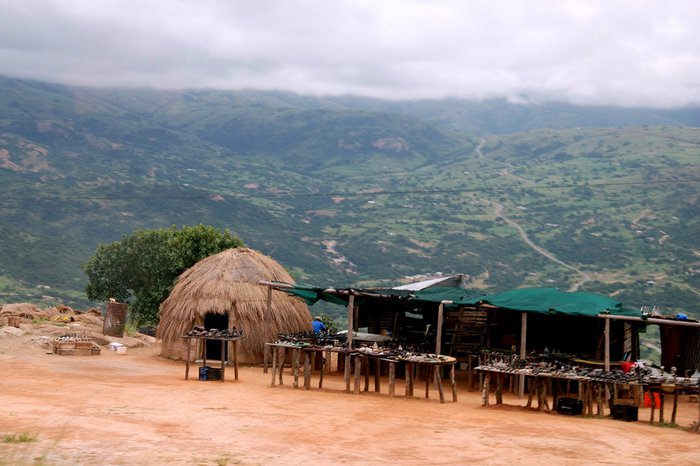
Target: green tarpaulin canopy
[(553, 301), (536, 300)]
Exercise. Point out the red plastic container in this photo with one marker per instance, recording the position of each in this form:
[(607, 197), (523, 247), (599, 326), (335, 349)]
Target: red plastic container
[(647, 400)]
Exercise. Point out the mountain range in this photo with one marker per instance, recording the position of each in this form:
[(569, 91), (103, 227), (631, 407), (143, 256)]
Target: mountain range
[(349, 191)]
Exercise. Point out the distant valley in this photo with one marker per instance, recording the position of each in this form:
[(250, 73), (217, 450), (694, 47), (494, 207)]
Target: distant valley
[(348, 191)]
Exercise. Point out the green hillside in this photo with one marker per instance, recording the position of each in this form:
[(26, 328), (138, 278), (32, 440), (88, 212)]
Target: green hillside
[(351, 191)]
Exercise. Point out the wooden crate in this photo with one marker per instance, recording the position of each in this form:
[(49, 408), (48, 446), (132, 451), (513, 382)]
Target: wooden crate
[(76, 348)]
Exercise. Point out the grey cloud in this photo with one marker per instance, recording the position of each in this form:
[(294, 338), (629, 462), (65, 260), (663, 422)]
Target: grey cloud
[(632, 53)]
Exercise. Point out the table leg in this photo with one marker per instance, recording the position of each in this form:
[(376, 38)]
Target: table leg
[(377, 375), (485, 389), (295, 366), (281, 357), (323, 368), (235, 360), (266, 356), (358, 372), (274, 364), (307, 370), (223, 360), (187, 363), (453, 382), (675, 406), (530, 391), (347, 373), (438, 381), (429, 378), (392, 378), (499, 389), (365, 361)]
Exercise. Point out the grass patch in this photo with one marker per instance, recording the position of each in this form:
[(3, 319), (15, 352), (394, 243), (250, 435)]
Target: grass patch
[(23, 437), (131, 329)]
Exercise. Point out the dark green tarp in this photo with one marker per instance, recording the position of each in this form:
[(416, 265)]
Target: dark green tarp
[(553, 301), (537, 300)]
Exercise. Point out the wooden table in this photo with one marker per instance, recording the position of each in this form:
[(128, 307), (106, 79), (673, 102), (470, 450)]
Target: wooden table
[(434, 369), (663, 389), (279, 353), (591, 392), (224, 358)]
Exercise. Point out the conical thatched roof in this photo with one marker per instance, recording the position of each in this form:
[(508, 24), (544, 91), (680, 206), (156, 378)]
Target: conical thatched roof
[(227, 283)]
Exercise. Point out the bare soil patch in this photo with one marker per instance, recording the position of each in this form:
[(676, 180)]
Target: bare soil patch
[(137, 408)]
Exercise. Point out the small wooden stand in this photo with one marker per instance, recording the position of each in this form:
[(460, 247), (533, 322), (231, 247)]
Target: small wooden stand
[(224, 360)]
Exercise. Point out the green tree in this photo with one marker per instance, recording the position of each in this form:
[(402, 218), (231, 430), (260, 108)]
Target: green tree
[(140, 268)]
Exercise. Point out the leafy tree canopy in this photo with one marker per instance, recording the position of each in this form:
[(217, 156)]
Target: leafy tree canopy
[(140, 268)]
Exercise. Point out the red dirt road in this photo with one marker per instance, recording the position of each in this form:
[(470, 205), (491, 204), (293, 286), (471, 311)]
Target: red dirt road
[(137, 409)]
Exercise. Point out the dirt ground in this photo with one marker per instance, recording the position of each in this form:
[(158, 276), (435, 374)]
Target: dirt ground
[(137, 409)]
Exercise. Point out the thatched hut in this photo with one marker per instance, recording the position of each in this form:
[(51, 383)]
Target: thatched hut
[(222, 291)]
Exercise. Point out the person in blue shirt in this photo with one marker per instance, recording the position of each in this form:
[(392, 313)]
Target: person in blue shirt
[(318, 325)]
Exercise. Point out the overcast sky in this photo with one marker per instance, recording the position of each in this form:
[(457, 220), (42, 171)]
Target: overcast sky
[(611, 52)]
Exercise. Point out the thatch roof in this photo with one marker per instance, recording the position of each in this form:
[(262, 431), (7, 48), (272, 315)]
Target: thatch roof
[(227, 283)]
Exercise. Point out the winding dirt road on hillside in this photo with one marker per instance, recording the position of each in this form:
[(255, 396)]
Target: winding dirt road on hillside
[(498, 212)]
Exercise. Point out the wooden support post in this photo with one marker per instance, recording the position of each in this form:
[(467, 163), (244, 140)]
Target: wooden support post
[(661, 406), (358, 372), (351, 319), (523, 351), (607, 345), (269, 314), (653, 406), (607, 354), (438, 335), (269, 301)]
